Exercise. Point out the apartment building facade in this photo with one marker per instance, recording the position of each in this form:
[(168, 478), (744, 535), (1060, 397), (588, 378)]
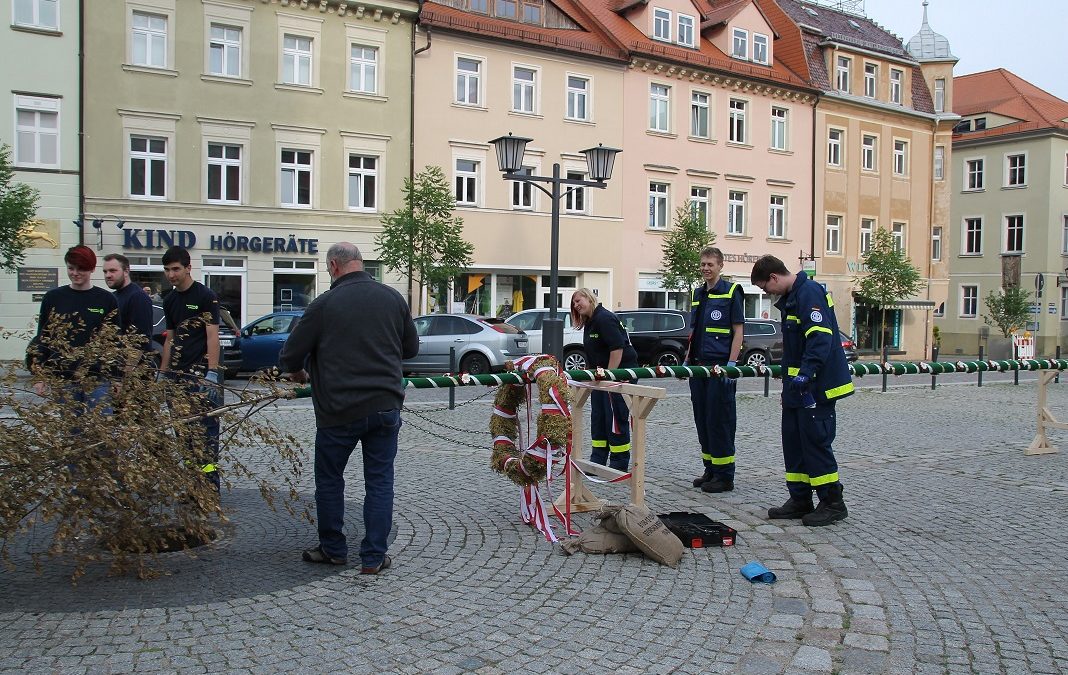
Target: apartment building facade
[(1010, 201), (39, 122), (255, 133), (880, 161)]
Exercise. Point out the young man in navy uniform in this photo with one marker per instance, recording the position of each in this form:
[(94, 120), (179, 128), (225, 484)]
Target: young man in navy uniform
[(815, 376), (718, 317)]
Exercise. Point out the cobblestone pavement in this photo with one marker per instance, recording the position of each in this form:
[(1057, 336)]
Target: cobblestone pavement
[(953, 560)]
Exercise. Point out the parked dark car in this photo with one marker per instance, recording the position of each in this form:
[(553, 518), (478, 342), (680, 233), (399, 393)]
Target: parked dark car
[(849, 347), (262, 340), (761, 343), (229, 342), (660, 336), (481, 345)]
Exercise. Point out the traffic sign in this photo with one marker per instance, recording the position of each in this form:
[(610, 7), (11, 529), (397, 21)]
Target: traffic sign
[(1036, 309)]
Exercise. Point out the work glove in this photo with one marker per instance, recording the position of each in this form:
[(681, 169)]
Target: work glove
[(213, 389), (799, 385), (732, 364)]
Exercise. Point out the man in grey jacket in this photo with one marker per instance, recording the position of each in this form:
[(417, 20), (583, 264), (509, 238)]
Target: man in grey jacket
[(350, 342)]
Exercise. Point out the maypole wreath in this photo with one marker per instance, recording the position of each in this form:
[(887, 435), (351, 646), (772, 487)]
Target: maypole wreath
[(551, 445)]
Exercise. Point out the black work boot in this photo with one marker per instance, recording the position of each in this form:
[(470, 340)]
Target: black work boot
[(831, 508), (703, 478), (718, 484), (795, 507)]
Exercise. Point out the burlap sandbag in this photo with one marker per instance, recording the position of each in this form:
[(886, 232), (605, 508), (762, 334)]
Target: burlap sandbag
[(607, 517), (650, 534), (599, 539)]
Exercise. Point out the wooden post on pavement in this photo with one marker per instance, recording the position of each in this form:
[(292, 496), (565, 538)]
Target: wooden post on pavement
[(1041, 444)]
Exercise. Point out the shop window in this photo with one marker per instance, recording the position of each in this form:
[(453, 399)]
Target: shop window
[(869, 321), (294, 284)]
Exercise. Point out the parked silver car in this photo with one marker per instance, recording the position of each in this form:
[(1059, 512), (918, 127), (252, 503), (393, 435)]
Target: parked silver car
[(481, 346), (530, 322)]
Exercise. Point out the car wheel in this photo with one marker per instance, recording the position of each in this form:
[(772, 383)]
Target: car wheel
[(475, 364), (668, 358), (757, 357), (575, 359)]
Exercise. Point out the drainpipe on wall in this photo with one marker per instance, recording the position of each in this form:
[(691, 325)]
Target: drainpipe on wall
[(81, 121), (812, 241), (411, 132)]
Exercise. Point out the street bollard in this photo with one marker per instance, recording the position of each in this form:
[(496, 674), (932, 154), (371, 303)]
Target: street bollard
[(767, 383), (884, 369), (452, 369), (1057, 379), (934, 357), (982, 356)]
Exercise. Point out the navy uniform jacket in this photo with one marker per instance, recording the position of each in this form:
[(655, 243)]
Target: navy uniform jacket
[(603, 334), (811, 343), (713, 317)]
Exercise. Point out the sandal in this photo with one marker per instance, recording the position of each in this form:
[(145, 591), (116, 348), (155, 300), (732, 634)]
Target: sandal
[(318, 555)]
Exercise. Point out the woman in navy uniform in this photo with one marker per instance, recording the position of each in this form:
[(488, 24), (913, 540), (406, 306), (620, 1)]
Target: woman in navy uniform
[(607, 346)]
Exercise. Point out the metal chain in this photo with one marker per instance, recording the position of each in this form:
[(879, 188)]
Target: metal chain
[(408, 420), (489, 390)]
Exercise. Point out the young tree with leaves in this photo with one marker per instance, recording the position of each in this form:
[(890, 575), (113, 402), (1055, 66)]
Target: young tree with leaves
[(1008, 310), (890, 277), (423, 240), (18, 204), (682, 250)]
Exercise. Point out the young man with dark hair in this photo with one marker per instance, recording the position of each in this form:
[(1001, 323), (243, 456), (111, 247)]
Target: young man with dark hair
[(77, 312), (135, 308), (815, 375), (718, 317), (191, 346)]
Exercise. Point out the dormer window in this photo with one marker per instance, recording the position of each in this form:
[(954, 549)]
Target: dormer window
[(662, 24), (760, 49), (740, 44), (506, 9), (686, 30)]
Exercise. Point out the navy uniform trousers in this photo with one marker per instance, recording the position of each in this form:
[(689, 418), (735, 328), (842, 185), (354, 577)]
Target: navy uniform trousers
[(610, 430), (716, 418), (807, 435)]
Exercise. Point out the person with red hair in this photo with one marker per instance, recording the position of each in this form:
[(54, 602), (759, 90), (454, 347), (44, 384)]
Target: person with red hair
[(69, 318)]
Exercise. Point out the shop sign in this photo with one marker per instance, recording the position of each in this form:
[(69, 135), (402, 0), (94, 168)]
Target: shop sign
[(740, 258), (139, 239)]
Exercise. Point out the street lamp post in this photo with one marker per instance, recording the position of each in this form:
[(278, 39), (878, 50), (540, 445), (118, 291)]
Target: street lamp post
[(599, 161)]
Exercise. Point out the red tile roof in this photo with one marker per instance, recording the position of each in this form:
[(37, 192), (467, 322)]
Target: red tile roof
[(1004, 93)]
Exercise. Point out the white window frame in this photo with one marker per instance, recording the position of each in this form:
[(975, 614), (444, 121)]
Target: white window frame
[(659, 205), (295, 57), (524, 91), (1064, 234), (659, 107), (777, 205), (466, 190), (152, 37), (362, 68), (936, 244), (224, 164), (940, 94), (899, 233), (578, 97), (901, 157), (969, 301), (685, 30), (157, 125), (834, 146), (148, 158), (871, 79), (843, 70), (1014, 226), (661, 29), (465, 78), (832, 241), (761, 49), (780, 126), (897, 85), (303, 26), (700, 204), (738, 128), (700, 114), (969, 226), (576, 199), (740, 44), (523, 192), (939, 162), (230, 50), (974, 174), (356, 182), (869, 153), (290, 172), (38, 106), (1064, 303), (227, 15), (1016, 176), (226, 132), (736, 213), (35, 20), (867, 230)]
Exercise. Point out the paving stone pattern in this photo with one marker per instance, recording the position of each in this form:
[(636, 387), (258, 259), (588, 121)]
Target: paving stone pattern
[(953, 560)]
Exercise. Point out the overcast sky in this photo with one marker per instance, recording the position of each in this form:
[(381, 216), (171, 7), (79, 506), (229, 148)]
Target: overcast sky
[(1027, 37)]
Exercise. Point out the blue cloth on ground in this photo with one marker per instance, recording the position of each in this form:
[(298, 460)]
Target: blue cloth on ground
[(755, 572)]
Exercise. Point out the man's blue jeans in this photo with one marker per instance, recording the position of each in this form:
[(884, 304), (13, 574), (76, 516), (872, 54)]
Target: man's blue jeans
[(378, 435)]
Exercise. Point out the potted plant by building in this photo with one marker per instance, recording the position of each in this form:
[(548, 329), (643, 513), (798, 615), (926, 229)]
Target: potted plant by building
[(1007, 310)]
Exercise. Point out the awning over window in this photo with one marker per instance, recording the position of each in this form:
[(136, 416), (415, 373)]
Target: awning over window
[(900, 304)]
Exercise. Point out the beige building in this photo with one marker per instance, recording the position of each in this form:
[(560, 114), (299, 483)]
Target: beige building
[(255, 133), (881, 156), (532, 69), (39, 122), (1010, 201)]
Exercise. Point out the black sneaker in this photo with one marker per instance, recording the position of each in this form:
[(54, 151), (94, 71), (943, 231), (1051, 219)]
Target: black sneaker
[(717, 485), (702, 479), (793, 508)]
